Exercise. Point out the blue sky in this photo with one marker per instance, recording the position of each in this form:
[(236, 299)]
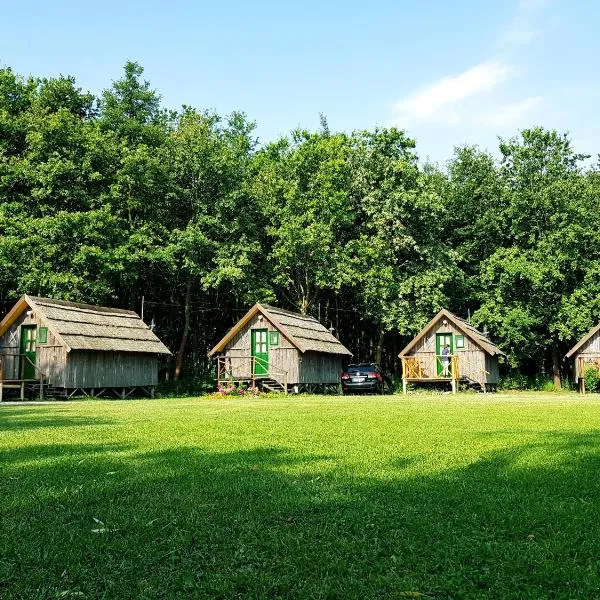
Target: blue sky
[(449, 73)]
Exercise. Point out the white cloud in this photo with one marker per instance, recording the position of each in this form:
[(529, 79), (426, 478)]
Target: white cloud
[(440, 101), (508, 114)]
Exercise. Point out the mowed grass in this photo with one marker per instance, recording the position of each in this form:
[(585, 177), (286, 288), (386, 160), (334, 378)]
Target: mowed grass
[(302, 497)]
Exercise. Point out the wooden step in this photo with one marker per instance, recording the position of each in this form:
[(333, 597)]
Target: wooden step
[(272, 385)]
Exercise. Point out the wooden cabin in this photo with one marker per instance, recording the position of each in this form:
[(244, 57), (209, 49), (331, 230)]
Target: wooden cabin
[(471, 357), (59, 348), (279, 350), (585, 353)]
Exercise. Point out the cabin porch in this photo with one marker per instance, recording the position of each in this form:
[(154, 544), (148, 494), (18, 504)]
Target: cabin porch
[(251, 371), (19, 372), (431, 367)]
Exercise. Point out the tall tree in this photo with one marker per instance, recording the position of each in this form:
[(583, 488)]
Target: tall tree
[(400, 257), (214, 221), (303, 186), (524, 282)]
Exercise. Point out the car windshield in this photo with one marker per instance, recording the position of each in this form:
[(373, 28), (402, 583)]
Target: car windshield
[(357, 368)]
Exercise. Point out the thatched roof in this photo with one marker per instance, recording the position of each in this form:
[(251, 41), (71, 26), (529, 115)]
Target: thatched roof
[(87, 327), (474, 334), (303, 331)]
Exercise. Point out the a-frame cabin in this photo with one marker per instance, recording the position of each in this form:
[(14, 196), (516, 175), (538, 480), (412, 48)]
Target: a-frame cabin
[(470, 357), (279, 350)]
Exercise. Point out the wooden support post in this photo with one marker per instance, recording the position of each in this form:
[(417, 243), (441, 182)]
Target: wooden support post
[(41, 389), (22, 390), (404, 386), (581, 385), (453, 385)]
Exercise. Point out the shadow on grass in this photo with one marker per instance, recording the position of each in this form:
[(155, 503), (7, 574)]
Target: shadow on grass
[(268, 523), (19, 418)]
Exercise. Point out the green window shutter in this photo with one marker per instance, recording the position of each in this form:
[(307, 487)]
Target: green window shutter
[(460, 341), (274, 338), (42, 335)]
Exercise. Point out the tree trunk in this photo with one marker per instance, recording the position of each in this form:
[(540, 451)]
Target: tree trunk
[(186, 330), (304, 305), (379, 350), (556, 367)]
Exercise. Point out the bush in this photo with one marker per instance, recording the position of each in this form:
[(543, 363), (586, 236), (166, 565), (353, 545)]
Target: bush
[(514, 381), (539, 382), (197, 385), (232, 390), (591, 376)]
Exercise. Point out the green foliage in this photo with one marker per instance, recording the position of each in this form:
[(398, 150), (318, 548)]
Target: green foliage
[(591, 376), (115, 198), (537, 382)]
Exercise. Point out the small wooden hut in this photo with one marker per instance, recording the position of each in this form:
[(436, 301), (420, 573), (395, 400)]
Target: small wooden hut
[(472, 357), (279, 350), (585, 353), (59, 348)]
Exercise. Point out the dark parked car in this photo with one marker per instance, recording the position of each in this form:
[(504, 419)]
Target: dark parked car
[(366, 377)]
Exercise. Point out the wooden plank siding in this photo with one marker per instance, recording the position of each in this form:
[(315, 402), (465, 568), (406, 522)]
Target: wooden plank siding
[(316, 367), (110, 369), (590, 352), (78, 368), (310, 367)]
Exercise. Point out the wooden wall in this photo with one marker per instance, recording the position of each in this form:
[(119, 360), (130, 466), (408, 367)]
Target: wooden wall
[(318, 367), (50, 357), (472, 360), (491, 366), (86, 369)]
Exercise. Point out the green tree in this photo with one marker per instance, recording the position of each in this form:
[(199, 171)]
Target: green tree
[(303, 186), (543, 261), (400, 259), (213, 240)]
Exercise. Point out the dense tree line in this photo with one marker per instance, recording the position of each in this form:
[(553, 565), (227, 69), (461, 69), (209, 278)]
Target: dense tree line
[(113, 199)]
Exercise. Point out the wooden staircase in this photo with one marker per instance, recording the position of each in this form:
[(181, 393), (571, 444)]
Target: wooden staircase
[(272, 385)]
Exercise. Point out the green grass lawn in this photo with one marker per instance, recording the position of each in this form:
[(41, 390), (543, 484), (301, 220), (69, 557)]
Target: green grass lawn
[(302, 497)]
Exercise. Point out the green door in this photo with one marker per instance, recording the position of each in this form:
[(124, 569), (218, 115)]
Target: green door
[(28, 339), (441, 339), (260, 351)]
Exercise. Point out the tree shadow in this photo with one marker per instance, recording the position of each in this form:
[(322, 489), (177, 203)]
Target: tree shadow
[(19, 418), (270, 523)]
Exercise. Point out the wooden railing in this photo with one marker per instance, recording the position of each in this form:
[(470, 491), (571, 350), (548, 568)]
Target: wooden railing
[(16, 377), (430, 366), (235, 369)]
